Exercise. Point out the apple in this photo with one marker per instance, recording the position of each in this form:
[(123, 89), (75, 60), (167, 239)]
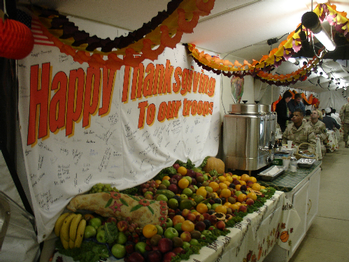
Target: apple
[(166, 182), (165, 245), (155, 256), (90, 231), (184, 197), (173, 180), (186, 236), (191, 173), (171, 233), (185, 212), (95, 222), (194, 242), (200, 226), (200, 217), (118, 251), (178, 250), (237, 193), (236, 182), (101, 236), (186, 246), (162, 197), (191, 216), (177, 219), (243, 208), (193, 181), (160, 229), (168, 257), (140, 247), (122, 226), (122, 238), (209, 189), (173, 188), (169, 222), (173, 203), (135, 257), (176, 165), (188, 178), (205, 177), (178, 227), (214, 206), (177, 177), (249, 201), (187, 191), (220, 225)]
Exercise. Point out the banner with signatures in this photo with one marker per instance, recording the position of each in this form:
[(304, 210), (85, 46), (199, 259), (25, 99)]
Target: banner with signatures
[(81, 125)]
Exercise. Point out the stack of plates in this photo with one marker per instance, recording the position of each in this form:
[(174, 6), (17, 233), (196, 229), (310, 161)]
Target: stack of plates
[(305, 162)]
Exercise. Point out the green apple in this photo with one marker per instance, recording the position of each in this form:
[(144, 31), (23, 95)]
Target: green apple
[(194, 242), (196, 187), (96, 222), (209, 189), (205, 177), (187, 191), (198, 198), (183, 196), (209, 206), (122, 238), (118, 250), (237, 193), (171, 233), (186, 245), (173, 203), (166, 182), (178, 227), (140, 247), (160, 229), (101, 236), (161, 197), (189, 179), (215, 205), (169, 222), (90, 231)]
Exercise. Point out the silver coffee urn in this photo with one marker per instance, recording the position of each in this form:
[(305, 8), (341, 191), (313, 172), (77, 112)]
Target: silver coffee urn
[(248, 136)]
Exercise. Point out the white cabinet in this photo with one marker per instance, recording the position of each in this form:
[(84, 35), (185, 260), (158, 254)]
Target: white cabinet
[(305, 198)]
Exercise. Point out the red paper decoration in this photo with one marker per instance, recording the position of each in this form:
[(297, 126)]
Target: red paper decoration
[(16, 39)]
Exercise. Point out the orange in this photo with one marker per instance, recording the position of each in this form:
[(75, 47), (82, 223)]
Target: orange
[(187, 225), (242, 197), (222, 185), (227, 182), (158, 182), (262, 187), (227, 204), (253, 179), (202, 208), (166, 178), (238, 204), (214, 186), (183, 183), (256, 186), (149, 230), (252, 195), (201, 192), (242, 182), (215, 195), (178, 219), (229, 179), (195, 212), (245, 177), (237, 187), (221, 209), (225, 193), (222, 178), (182, 170), (234, 206)]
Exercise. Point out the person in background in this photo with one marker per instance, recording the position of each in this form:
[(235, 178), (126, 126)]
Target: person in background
[(299, 131), (307, 115), (296, 103), (323, 113), (344, 115), (335, 116), (329, 121), (283, 113), (319, 129)]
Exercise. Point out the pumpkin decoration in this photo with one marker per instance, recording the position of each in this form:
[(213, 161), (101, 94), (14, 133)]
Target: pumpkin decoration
[(284, 236), (214, 163)]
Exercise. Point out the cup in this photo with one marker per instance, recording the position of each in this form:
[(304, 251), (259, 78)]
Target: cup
[(289, 144)]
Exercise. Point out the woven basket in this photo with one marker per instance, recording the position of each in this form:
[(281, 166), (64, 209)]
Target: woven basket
[(311, 151)]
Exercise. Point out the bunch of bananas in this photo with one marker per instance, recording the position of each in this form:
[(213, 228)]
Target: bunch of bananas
[(70, 227)]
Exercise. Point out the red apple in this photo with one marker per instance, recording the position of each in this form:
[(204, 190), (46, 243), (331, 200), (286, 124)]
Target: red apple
[(154, 256), (200, 226), (236, 182), (135, 257), (177, 177), (176, 165), (249, 201), (249, 183), (165, 245), (243, 208), (178, 250), (206, 215), (191, 216), (173, 188), (168, 257), (220, 225), (186, 236), (200, 218)]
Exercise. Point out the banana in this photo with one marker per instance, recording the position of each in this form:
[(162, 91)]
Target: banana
[(64, 232), (71, 243), (65, 243), (59, 223), (80, 233), (74, 227)]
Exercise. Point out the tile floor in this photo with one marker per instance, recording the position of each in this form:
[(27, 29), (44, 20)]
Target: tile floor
[(328, 238)]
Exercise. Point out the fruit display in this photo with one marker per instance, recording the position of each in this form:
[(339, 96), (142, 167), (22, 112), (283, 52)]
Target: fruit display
[(195, 208)]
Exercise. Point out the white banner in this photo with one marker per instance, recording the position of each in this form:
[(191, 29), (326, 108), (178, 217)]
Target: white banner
[(81, 125)]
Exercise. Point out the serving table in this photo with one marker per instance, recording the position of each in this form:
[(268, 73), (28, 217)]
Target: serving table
[(302, 191)]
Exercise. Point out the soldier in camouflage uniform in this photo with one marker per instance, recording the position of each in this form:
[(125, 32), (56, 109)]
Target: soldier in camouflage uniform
[(299, 132), (319, 129), (344, 115)]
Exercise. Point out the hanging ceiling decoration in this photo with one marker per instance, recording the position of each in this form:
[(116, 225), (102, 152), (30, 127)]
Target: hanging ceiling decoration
[(147, 42), (260, 69)]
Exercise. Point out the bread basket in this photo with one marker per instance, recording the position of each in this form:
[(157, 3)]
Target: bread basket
[(309, 154)]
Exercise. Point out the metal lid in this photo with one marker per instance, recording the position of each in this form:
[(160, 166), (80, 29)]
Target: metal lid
[(264, 109), (244, 109)]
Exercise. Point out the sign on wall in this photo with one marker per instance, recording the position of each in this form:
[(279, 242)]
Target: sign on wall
[(81, 125)]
